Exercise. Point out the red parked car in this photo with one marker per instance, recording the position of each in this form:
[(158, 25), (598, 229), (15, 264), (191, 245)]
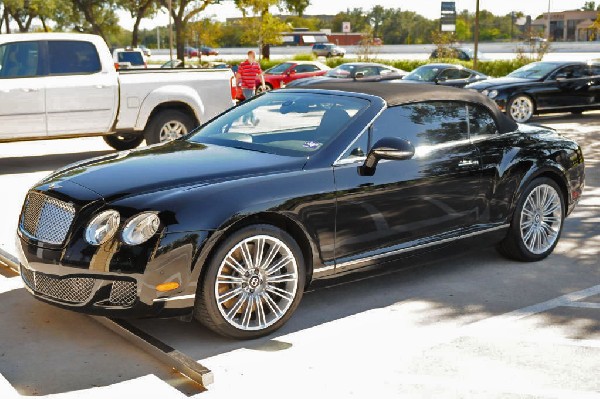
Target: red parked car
[(280, 75)]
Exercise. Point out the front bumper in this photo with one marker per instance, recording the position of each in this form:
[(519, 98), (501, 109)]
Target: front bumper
[(109, 293)]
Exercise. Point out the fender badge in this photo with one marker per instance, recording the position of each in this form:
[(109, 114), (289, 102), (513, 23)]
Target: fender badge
[(54, 186)]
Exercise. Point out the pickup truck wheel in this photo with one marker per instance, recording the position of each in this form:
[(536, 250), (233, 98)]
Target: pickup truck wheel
[(121, 142), (168, 125)]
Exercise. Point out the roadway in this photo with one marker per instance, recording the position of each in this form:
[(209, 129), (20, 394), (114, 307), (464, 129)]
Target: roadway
[(463, 322)]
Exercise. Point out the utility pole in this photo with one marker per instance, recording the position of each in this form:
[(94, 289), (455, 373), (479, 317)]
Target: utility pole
[(157, 38), (548, 20), (476, 44)]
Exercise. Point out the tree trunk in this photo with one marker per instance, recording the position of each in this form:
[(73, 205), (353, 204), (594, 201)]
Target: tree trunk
[(43, 20), (179, 39), (136, 29), (7, 21)]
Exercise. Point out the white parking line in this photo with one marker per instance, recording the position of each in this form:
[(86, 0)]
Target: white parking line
[(6, 390)]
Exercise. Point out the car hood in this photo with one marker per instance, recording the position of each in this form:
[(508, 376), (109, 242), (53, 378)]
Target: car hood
[(176, 164), (499, 82)]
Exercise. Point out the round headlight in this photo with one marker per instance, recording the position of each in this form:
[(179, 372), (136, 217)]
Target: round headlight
[(102, 227), (492, 93), (139, 229)]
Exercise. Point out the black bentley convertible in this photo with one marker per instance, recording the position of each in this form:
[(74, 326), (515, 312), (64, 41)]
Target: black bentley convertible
[(231, 223)]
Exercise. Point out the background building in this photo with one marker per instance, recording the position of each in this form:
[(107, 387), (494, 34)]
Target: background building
[(569, 26)]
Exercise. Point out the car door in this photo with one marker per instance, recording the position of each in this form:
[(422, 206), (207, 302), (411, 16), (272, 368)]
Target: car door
[(81, 96), (407, 202), (22, 91), (568, 87)]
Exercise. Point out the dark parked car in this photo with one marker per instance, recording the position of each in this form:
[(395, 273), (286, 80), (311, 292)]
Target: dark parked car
[(460, 53), (234, 221), (542, 87), (444, 74), (208, 51), (354, 70)]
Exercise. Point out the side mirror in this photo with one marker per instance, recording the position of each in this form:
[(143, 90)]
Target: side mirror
[(292, 71), (391, 148), (359, 75), (440, 79)]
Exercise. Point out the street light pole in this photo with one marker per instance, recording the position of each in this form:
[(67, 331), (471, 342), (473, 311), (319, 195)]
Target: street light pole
[(476, 44)]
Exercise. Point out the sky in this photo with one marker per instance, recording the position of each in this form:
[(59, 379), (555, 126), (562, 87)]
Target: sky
[(427, 8)]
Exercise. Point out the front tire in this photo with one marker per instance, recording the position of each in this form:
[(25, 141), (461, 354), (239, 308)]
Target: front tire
[(521, 108), (168, 125), (121, 142), (537, 222), (253, 284)]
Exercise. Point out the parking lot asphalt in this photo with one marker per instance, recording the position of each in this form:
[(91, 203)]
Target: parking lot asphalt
[(461, 322)]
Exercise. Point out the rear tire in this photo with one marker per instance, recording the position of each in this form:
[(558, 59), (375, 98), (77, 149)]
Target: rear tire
[(122, 142), (168, 125), (520, 108), (253, 284), (537, 222)]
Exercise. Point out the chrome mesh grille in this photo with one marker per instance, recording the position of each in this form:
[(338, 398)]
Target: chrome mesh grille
[(70, 289), (46, 219), (123, 293)]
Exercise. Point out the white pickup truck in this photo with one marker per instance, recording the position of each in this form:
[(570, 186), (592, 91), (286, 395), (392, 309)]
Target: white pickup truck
[(57, 85)]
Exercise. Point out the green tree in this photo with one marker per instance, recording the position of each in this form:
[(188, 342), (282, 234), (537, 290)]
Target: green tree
[(296, 6), (463, 30), (377, 16), (23, 12), (182, 12), (302, 22), (206, 32), (138, 9), (358, 18), (90, 16), (260, 26), (590, 6)]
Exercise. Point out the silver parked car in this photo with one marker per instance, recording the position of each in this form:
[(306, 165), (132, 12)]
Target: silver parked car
[(328, 50)]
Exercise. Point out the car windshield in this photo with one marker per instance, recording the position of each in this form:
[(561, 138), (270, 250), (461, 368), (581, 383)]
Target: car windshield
[(282, 123), (279, 69), (342, 71), (424, 73), (535, 70)]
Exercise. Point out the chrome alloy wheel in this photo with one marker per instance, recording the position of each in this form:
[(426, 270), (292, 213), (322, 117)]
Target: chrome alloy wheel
[(521, 109), (172, 130), (256, 283), (541, 219)]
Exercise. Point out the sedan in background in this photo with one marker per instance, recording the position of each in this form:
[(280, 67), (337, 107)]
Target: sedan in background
[(232, 223), (208, 51), (444, 74), (282, 74), (190, 52), (369, 71), (544, 87), (328, 50)]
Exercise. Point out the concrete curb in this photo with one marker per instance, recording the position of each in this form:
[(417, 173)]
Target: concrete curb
[(9, 260)]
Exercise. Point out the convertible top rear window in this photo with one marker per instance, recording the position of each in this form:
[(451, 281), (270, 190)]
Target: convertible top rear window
[(283, 123)]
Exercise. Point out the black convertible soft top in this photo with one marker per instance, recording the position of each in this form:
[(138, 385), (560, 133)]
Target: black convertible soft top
[(398, 93)]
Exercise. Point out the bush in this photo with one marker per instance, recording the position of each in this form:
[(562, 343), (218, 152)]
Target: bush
[(304, 57), (492, 68)]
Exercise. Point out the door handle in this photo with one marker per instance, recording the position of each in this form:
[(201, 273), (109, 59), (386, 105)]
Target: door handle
[(468, 162), (101, 86)]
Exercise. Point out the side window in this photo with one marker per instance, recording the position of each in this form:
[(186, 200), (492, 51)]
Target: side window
[(303, 68), (72, 57), (595, 70), (358, 149), (481, 122), (19, 60), (451, 74), (423, 124), (573, 71)]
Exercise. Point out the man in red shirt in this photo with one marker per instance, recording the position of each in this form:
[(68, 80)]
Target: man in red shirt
[(247, 73)]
